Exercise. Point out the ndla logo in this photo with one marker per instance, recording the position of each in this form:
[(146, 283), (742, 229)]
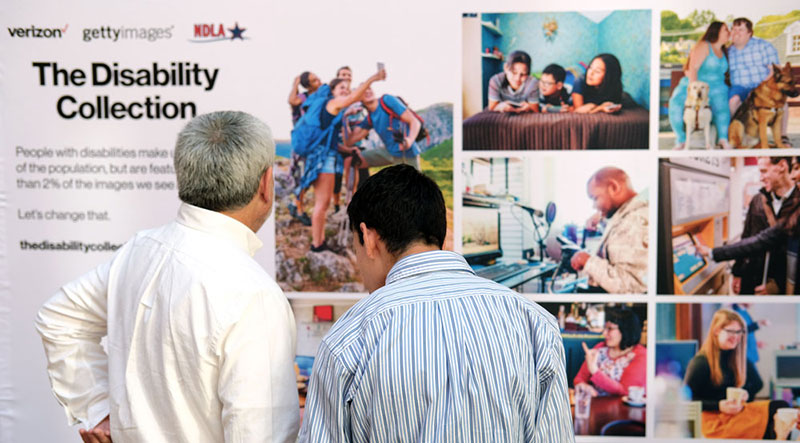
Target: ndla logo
[(206, 33), (37, 32)]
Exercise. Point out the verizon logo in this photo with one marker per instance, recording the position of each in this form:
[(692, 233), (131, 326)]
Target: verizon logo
[(37, 32)]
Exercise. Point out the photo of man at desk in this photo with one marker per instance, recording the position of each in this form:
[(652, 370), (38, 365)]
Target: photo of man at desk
[(548, 225), (606, 359), (713, 381)]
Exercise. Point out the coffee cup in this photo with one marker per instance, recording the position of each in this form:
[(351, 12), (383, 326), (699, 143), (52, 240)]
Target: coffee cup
[(636, 394), (787, 415), (736, 394)]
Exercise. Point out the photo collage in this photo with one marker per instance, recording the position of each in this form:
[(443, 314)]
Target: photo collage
[(665, 251)]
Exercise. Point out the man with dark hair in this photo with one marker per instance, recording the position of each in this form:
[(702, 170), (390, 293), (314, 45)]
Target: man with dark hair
[(750, 60), (200, 339), (776, 200), (620, 263), (396, 125), (434, 353)]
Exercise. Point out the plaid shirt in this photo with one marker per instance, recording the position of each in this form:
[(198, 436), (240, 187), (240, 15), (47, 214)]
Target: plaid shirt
[(751, 64)]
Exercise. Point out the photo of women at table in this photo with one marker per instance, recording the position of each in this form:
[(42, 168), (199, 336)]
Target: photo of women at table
[(718, 67), (556, 80), (729, 226), (706, 369), (606, 358), (552, 225)]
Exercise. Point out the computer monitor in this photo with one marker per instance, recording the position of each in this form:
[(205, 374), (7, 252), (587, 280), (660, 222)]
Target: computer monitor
[(787, 367), (685, 259), (481, 234), (673, 356)]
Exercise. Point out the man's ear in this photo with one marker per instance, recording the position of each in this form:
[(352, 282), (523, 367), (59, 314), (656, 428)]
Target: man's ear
[(266, 186), (370, 240)]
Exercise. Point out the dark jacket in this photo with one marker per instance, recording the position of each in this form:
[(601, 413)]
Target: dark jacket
[(750, 265)]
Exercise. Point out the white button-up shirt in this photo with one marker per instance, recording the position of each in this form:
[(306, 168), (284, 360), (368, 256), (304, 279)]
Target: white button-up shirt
[(201, 341)]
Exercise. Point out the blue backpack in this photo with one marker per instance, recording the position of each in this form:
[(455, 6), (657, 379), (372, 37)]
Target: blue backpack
[(308, 133)]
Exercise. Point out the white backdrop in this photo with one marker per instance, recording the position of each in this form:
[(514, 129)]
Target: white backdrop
[(418, 40)]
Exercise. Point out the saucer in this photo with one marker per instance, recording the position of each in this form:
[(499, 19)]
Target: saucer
[(628, 402)]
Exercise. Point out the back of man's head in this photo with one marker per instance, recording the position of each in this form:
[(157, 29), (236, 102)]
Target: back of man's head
[(220, 158), (403, 206)]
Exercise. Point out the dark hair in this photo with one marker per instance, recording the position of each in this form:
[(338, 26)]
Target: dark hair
[(712, 32), (744, 21), (629, 326), (304, 79), (610, 90), (517, 57), (403, 205), (558, 73), (343, 68), (335, 82), (712, 36), (776, 160)]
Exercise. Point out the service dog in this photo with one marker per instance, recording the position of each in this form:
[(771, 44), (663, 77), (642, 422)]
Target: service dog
[(762, 108), (696, 112)]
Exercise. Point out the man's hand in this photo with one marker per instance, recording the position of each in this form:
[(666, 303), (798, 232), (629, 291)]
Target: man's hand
[(578, 260), (504, 107), (99, 434), (296, 81), (702, 249), (736, 286), (591, 358), (594, 221), (730, 407)]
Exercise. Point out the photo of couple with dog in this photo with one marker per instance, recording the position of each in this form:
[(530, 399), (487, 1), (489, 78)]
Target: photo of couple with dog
[(732, 83)]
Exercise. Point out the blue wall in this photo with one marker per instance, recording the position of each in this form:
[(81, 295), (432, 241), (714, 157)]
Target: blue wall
[(626, 34)]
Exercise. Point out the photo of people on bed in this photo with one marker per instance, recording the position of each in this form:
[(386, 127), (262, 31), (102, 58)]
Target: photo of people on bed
[(729, 79), (728, 226), (556, 80), (549, 225), (606, 359), (727, 371), (344, 129)]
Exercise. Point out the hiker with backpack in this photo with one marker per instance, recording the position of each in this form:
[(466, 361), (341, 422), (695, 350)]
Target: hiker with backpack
[(398, 127), (317, 136)]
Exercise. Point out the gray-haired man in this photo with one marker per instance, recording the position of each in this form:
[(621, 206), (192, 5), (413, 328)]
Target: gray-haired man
[(200, 339)]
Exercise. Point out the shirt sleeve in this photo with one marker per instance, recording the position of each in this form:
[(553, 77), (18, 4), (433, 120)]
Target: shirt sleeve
[(394, 104), (553, 414), (257, 383), (532, 90), (327, 416), (625, 269), (494, 88), (698, 379), (772, 54), (71, 325)]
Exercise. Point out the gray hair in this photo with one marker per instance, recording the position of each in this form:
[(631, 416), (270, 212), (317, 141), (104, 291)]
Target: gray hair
[(220, 158)]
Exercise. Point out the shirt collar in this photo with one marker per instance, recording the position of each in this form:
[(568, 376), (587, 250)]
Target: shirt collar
[(784, 196), (219, 225), (425, 262)]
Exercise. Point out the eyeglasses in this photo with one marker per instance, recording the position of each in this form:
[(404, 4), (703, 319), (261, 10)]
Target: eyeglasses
[(546, 83), (734, 331), (611, 328)]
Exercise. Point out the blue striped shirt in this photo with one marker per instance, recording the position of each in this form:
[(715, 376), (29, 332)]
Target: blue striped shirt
[(439, 354)]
